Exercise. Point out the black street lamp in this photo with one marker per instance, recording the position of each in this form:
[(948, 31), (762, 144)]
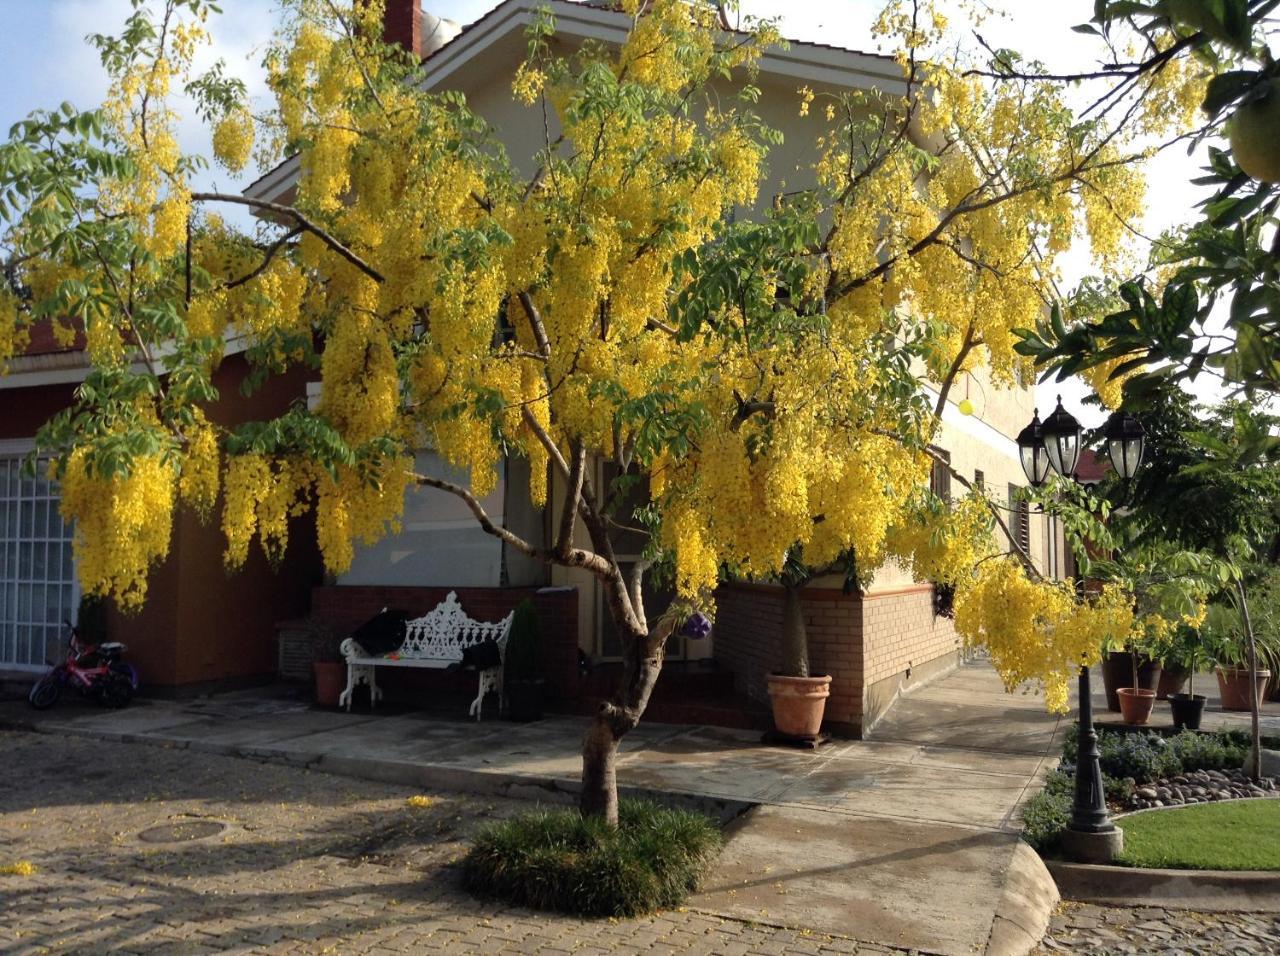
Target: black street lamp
[(1126, 441), (1031, 451), (1062, 441), (1090, 837)]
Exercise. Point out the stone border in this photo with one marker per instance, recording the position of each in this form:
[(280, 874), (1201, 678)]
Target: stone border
[(1210, 891)]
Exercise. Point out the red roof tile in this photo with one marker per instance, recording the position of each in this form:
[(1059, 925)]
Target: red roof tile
[(1092, 466)]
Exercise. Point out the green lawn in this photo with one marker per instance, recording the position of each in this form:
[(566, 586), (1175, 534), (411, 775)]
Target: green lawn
[(1240, 835)]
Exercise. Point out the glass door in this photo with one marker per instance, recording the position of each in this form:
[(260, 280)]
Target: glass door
[(37, 573)]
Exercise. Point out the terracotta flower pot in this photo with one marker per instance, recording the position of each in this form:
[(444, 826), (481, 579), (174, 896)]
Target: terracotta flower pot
[(1135, 705), (1172, 680), (331, 678), (1233, 686), (799, 703), (1117, 672)]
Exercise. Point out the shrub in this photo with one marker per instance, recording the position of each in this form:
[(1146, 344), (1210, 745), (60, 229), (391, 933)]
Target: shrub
[(1047, 814), (558, 860), (1207, 751)]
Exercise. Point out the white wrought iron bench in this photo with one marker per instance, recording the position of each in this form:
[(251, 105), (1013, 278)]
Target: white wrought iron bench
[(437, 639)]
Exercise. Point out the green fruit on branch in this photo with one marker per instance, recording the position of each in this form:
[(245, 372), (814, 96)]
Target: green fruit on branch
[(1254, 134)]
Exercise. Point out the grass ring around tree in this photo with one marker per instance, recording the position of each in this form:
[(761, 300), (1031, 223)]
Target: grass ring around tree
[(555, 859)]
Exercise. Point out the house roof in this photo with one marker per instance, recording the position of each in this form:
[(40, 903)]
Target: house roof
[(42, 341), (803, 60)]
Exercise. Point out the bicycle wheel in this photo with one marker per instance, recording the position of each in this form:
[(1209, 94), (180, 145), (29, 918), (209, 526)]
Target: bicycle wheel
[(116, 690), (45, 693)]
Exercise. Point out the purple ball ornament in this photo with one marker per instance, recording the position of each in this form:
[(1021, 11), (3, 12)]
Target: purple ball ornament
[(696, 626)]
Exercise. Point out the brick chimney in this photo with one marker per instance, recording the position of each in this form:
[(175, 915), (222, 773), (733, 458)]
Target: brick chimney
[(402, 24), (406, 25)]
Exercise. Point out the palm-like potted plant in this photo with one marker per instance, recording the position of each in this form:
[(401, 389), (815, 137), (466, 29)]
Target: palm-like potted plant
[(1187, 653), (523, 686)]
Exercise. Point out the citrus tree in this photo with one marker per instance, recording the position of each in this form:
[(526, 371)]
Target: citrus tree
[(759, 362)]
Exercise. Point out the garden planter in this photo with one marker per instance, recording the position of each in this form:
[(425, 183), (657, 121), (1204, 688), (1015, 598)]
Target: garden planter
[(798, 703), (1187, 710), (1233, 687), (1117, 671), (1172, 680), (524, 699), (1135, 705), (331, 678)]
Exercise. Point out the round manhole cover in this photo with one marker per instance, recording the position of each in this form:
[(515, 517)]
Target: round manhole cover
[(182, 832)]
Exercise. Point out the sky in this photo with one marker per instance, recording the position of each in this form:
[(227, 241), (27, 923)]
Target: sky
[(45, 61)]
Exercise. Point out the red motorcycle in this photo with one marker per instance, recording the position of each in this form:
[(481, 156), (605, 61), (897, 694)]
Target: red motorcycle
[(93, 669)]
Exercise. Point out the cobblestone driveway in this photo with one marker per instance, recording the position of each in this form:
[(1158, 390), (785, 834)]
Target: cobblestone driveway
[(303, 862), (1079, 928)]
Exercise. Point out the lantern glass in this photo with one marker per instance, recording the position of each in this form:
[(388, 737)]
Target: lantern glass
[(1031, 452), (1062, 441), (1126, 443)]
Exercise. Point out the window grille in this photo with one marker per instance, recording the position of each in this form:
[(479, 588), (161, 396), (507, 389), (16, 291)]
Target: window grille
[(37, 574)]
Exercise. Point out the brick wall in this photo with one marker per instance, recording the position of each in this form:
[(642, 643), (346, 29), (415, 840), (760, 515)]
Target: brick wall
[(344, 607), (901, 632), (748, 643)]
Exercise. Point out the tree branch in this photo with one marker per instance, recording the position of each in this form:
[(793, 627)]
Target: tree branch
[(303, 222), (572, 558), (573, 493)]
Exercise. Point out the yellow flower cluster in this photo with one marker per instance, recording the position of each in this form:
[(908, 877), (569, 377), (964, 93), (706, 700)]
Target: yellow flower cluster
[(122, 523), (1037, 630), (233, 139), (199, 481), (944, 546), (1109, 390), (13, 337)]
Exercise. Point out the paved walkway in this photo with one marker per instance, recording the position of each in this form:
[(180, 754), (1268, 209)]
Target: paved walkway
[(297, 863), (1082, 928), (908, 840)]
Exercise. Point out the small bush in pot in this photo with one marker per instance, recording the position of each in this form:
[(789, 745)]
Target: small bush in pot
[(1187, 655), (1226, 645), (523, 686), (1137, 701)]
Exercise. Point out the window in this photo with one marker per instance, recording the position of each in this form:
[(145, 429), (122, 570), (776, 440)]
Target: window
[(37, 579), (1019, 520), (940, 475), (979, 480), (1051, 563)]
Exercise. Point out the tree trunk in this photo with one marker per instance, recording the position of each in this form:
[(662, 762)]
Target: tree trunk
[(795, 640), (641, 665), (1255, 754)]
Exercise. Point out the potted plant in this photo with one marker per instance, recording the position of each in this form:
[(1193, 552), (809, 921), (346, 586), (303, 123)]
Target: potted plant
[(328, 666), (523, 687), (1136, 701), (798, 699), (1187, 655), (1123, 665), (1227, 647)]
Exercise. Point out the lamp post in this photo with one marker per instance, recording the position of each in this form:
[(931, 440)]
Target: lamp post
[(1090, 837)]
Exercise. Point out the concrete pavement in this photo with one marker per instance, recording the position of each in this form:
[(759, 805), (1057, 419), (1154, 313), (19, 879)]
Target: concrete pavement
[(908, 840)]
